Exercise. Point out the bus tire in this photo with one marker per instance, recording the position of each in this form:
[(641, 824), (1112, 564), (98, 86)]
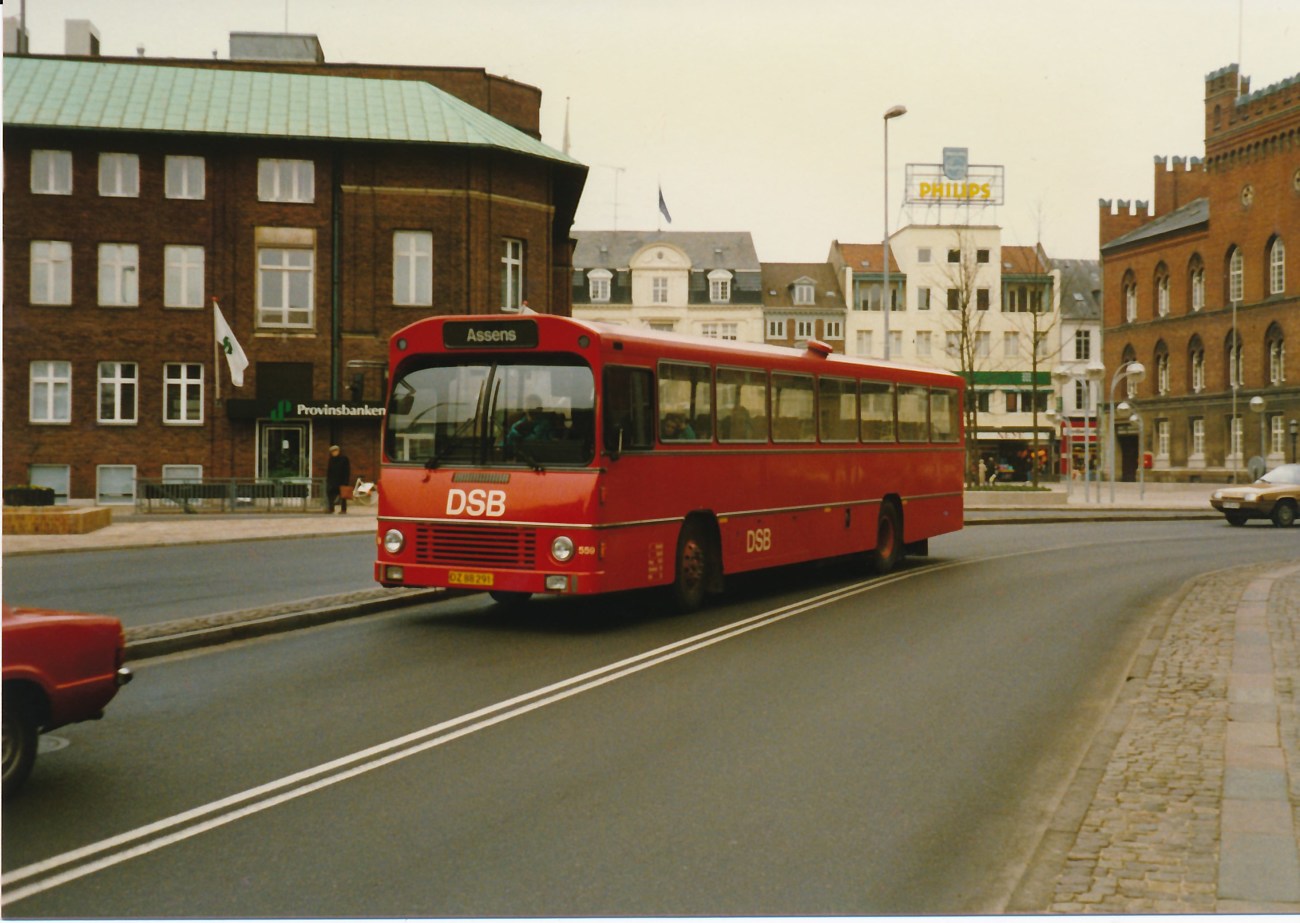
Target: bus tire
[(691, 580), (889, 540)]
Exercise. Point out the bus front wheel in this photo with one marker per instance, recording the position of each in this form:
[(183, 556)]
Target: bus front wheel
[(889, 540), (691, 582)]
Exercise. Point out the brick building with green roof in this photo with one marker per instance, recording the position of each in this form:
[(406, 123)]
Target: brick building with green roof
[(320, 206)]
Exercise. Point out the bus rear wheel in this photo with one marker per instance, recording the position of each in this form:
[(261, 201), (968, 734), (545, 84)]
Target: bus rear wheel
[(692, 579), (889, 540)]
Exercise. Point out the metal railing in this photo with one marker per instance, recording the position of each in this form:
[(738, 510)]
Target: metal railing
[(230, 495)]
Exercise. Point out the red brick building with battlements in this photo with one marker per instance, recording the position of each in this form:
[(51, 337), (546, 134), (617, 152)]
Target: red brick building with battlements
[(1201, 292)]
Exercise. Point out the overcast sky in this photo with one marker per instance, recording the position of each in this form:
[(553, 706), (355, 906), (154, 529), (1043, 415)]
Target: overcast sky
[(766, 115)]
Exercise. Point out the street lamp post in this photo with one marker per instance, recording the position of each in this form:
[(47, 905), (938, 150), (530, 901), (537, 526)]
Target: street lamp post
[(1135, 371), (1293, 428), (892, 112), (1257, 404)]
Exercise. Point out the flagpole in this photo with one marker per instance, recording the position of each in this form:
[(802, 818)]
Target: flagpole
[(216, 357)]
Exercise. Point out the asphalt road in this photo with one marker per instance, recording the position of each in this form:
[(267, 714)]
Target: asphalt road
[(813, 744)]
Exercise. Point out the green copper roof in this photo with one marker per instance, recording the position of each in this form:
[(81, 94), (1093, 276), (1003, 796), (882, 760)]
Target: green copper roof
[(56, 93)]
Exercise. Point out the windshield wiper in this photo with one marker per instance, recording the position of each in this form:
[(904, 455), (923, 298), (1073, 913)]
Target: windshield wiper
[(452, 442)]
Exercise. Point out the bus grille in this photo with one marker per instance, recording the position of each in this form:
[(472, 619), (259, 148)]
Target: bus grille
[(474, 546)]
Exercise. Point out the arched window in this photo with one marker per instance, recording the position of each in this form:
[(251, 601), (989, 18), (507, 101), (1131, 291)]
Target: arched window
[(1196, 365), (1130, 384), (1130, 297), (1162, 368), (1232, 360), (1162, 290), (1236, 276), (1196, 283), (1276, 267), (1275, 347)]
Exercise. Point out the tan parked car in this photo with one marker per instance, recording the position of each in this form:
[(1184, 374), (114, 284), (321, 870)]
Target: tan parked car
[(1275, 496)]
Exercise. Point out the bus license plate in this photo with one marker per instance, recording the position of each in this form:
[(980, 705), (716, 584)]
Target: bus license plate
[(469, 578)]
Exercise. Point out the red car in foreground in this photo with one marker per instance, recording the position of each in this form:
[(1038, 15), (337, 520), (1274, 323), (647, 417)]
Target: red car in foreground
[(59, 668)]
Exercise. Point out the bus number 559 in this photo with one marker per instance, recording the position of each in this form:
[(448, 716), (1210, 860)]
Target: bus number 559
[(758, 541)]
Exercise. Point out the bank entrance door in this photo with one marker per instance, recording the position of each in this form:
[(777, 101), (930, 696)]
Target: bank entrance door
[(284, 450)]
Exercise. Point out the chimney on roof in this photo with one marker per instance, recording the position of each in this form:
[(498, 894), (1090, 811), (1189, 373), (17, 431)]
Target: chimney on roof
[(80, 37), (15, 36)]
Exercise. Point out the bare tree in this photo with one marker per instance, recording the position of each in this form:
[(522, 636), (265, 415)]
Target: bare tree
[(1033, 295), (967, 310)]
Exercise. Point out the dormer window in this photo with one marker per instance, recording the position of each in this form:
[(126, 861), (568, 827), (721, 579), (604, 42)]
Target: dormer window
[(804, 293), (720, 286), (598, 285)]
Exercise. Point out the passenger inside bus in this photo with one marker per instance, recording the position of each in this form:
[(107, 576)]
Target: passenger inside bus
[(675, 427)]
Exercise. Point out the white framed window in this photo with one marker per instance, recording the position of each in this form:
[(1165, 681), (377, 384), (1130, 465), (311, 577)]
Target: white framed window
[(1131, 302), (1082, 345), (182, 474), (720, 286), (866, 343), (1277, 268), (183, 393), (1198, 371), (923, 343), (804, 293), (833, 329), (1234, 439), (1162, 441), (1198, 289), (722, 330), (50, 391), (1236, 276), (982, 341), (119, 175), (1236, 369), (58, 477), (512, 273), (952, 343), (598, 285), (51, 272), (1277, 434), (1162, 296), (183, 268), (117, 392), (184, 177), (776, 328), (119, 275), (1198, 437), (923, 299), (1162, 374), (285, 287), (1081, 402), (895, 344), (1276, 361), (1010, 344), (52, 172), (659, 290), (286, 180), (804, 328), (114, 484), (413, 268)]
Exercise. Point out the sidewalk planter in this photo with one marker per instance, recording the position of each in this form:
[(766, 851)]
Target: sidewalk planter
[(26, 495), (55, 520)]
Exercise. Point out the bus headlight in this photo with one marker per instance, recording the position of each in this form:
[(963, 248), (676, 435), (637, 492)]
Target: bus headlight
[(394, 541), (562, 549)]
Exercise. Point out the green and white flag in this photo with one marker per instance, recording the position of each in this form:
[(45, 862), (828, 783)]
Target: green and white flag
[(227, 343)]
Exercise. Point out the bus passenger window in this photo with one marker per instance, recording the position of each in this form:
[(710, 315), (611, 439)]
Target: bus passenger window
[(628, 413), (742, 405), (913, 413), (793, 405), (877, 411), (838, 400), (945, 415), (685, 402)]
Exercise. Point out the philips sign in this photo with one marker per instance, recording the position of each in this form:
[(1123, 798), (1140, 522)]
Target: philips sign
[(954, 183)]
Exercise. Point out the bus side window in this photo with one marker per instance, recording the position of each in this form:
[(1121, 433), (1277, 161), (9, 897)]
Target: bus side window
[(685, 402), (628, 409)]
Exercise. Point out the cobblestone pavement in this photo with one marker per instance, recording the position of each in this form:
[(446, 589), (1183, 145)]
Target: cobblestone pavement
[(1189, 801)]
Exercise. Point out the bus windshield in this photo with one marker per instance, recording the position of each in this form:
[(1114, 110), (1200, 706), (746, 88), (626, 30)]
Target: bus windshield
[(536, 413)]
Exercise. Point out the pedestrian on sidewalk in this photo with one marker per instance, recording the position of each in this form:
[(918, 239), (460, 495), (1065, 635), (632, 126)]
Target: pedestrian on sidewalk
[(338, 479)]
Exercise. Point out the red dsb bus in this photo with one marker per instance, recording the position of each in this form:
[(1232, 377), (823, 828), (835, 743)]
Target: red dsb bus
[(539, 454)]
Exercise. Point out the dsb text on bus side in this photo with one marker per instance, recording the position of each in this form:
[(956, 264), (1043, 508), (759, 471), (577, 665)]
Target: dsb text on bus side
[(538, 454)]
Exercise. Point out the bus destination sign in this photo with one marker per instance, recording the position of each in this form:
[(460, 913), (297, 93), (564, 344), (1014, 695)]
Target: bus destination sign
[(489, 334)]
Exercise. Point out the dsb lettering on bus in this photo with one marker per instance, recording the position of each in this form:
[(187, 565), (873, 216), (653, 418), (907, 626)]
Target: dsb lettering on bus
[(547, 455)]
